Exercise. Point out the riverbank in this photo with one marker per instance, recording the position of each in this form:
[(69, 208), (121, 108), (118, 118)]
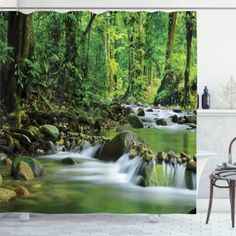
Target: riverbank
[(41, 134)]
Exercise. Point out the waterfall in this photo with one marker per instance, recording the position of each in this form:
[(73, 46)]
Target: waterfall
[(89, 150), (130, 167), (169, 174), (193, 177), (174, 174), (125, 170)]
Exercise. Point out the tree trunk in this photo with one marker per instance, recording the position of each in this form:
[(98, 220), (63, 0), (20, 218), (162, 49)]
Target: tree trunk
[(169, 49), (189, 36), (19, 38), (85, 37), (71, 39)]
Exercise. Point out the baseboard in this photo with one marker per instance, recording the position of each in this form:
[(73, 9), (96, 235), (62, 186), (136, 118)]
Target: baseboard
[(218, 205)]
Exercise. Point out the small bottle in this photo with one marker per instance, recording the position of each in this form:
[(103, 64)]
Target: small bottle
[(197, 101), (205, 99)]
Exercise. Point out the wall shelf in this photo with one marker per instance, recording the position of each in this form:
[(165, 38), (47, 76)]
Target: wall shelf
[(216, 113)]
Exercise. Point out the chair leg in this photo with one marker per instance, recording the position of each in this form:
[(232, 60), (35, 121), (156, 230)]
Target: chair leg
[(210, 201), (233, 201)]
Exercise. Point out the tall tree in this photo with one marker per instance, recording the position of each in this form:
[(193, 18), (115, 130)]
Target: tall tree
[(136, 43), (189, 18), (84, 40), (19, 39), (169, 49)]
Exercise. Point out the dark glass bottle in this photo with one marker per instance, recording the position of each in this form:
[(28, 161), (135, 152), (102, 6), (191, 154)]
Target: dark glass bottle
[(205, 99), (197, 101)]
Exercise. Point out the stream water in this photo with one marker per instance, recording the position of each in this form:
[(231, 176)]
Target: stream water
[(96, 186)]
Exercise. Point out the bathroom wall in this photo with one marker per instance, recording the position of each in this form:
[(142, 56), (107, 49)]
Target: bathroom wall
[(216, 52), (216, 63)]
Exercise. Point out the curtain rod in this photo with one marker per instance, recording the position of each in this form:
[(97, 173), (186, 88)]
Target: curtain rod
[(117, 8)]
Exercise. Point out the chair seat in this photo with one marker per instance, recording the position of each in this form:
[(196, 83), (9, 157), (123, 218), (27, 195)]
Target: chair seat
[(223, 175)]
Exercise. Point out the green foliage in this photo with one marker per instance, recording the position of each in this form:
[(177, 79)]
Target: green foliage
[(79, 60), (5, 55)]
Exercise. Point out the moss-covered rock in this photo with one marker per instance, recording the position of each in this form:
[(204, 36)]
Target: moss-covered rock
[(172, 155), (21, 191), (32, 132), (50, 132), (161, 156), (141, 112), (191, 119), (68, 161), (35, 165), (6, 195), (22, 138), (133, 153), (176, 110), (23, 171), (115, 148), (175, 119), (7, 161), (191, 166), (185, 157), (2, 156), (147, 154), (161, 122), (179, 160), (135, 121)]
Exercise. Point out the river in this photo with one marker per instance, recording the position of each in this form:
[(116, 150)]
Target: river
[(93, 186)]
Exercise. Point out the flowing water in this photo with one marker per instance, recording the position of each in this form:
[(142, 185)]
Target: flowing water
[(95, 186)]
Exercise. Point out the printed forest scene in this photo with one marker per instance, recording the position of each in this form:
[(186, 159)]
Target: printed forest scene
[(98, 112)]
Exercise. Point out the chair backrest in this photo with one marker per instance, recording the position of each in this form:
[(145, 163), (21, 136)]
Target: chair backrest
[(230, 157)]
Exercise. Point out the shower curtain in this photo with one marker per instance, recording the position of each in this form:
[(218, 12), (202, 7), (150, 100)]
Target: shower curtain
[(97, 112)]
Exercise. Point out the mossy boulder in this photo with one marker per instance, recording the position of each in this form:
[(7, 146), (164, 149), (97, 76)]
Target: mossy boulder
[(191, 166), (23, 171), (141, 112), (147, 154), (21, 191), (161, 156), (115, 148), (128, 109), (32, 132), (68, 161), (35, 165), (191, 119), (22, 138), (185, 157), (175, 119), (7, 161), (50, 132), (176, 110), (135, 121), (6, 195), (2, 156), (133, 153), (131, 100), (161, 122)]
